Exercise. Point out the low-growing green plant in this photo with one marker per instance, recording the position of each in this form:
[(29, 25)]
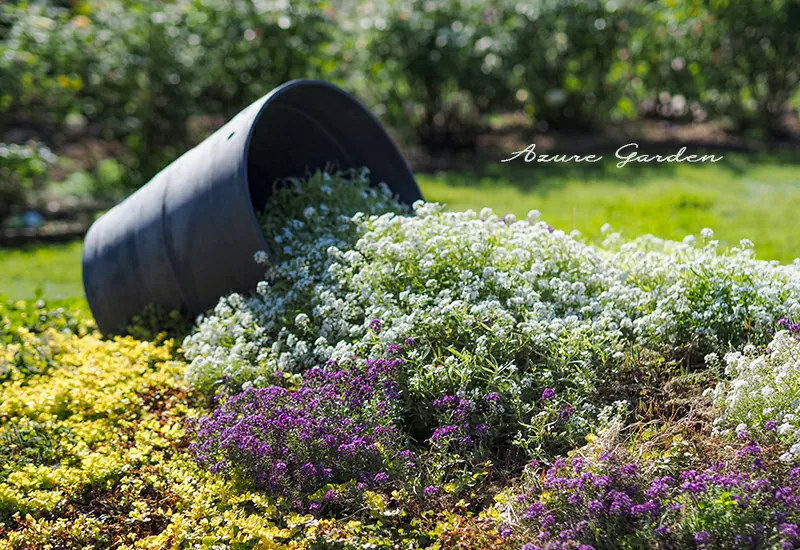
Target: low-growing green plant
[(32, 442), (39, 315), (157, 322)]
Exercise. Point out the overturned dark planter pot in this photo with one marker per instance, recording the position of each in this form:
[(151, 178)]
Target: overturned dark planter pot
[(189, 235)]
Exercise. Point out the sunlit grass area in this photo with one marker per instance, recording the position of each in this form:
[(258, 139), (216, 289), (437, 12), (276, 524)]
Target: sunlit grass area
[(54, 271), (741, 197)]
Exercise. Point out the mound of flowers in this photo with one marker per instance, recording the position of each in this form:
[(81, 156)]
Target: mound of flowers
[(418, 378), (337, 426), (493, 305)]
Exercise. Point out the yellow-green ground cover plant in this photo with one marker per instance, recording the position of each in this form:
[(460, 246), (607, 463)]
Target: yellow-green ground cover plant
[(413, 378)]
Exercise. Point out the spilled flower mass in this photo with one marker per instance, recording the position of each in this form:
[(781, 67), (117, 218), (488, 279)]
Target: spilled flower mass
[(507, 335)]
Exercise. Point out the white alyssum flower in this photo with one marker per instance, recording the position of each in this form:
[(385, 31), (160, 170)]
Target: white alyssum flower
[(261, 257), (302, 321), (763, 392)]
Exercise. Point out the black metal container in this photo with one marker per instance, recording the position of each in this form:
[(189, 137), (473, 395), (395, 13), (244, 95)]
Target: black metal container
[(189, 235)]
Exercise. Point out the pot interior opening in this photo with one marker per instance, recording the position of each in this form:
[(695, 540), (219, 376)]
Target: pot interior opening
[(309, 126)]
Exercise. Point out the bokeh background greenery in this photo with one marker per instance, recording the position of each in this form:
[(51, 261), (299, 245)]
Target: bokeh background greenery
[(96, 96)]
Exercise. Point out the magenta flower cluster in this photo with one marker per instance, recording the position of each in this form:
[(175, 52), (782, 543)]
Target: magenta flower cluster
[(786, 324), (337, 427), (465, 423), (722, 506)]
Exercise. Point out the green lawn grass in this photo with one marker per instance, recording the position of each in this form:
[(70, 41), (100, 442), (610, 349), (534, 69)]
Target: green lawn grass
[(754, 197), (52, 271)]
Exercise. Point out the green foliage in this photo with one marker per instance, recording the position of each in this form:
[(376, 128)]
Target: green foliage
[(760, 46), (565, 59), (23, 172), (137, 71), (31, 442), (436, 67), (157, 322), (26, 344), (36, 316), (244, 49), (717, 58)]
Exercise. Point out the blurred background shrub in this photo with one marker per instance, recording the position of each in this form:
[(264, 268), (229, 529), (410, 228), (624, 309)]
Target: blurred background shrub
[(23, 173), (721, 59), (565, 63), (137, 72), (137, 83), (434, 69)]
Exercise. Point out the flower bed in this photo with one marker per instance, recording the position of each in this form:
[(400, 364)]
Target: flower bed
[(584, 503), (413, 379), (336, 427)]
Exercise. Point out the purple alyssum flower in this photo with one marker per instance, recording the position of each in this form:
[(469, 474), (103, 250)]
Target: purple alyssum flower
[(771, 426), (566, 412), (505, 531), (375, 326), (702, 538), (336, 427), (615, 497)]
